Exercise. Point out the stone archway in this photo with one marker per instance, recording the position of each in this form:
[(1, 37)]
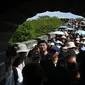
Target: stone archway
[(14, 13)]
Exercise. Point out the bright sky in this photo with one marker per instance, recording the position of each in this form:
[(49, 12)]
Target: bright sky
[(57, 14)]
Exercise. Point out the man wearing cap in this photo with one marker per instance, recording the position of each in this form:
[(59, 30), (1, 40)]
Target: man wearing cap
[(55, 73)]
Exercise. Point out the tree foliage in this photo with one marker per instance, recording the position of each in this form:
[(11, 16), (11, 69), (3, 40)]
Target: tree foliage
[(35, 28)]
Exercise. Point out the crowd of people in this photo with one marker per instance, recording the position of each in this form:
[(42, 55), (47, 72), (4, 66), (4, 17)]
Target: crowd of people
[(58, 61)]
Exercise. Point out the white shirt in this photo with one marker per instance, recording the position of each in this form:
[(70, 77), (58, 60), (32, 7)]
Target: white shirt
[(21, 66), (55, 65), (20, 77)]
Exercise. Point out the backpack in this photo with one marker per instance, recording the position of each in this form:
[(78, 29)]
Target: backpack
[(15, 75)]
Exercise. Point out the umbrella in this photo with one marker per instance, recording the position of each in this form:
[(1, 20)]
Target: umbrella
[(58, 33), (63, 27), (69, 28), (80, 32)]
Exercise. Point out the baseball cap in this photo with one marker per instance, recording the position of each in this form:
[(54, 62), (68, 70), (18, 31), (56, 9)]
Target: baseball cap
[(54, 49)]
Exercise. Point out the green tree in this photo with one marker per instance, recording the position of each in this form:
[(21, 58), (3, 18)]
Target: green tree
[(35, 28)]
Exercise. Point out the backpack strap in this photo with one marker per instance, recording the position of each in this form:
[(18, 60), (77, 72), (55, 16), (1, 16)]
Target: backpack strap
[(15, 74)]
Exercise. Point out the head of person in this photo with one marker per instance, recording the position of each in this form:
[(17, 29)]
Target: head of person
[(82, 62), (54, 51), (83, 38), (34, 54), (50, 44), (64, 48), (71, 45), (22, 50), (71, 56), (72, 38), (81, 44), (43, 45), (77, 43), (77, 35), (63, 38), (68, 38), (58, 43), (11, 54), (32, 74)]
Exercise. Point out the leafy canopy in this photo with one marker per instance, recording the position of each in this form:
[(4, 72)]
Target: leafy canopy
[(35, 28)]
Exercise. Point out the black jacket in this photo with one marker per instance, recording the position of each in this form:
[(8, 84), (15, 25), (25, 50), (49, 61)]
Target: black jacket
[(56, 75)]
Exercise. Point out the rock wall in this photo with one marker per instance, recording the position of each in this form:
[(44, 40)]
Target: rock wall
[(31, 43)]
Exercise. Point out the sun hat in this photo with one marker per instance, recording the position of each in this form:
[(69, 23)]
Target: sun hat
[(22, 48), (71, 45)]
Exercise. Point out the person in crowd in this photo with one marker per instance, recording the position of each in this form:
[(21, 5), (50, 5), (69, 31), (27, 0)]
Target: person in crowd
[(58, 43), (83, 39), (50, 44), (33, 74), (77, 35), (63, 54), (72, 38), (68, 38), (13, 74), (58, 37), (77, 44), (44, 50), (72, 67), (21, 55), (81, 44), (81, 63), (77, 39), (71, 46), (54, 72), (53, 39), (34, 54), (63, 39)]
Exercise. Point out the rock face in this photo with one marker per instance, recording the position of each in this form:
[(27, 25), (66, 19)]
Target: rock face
[(15, 12)]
